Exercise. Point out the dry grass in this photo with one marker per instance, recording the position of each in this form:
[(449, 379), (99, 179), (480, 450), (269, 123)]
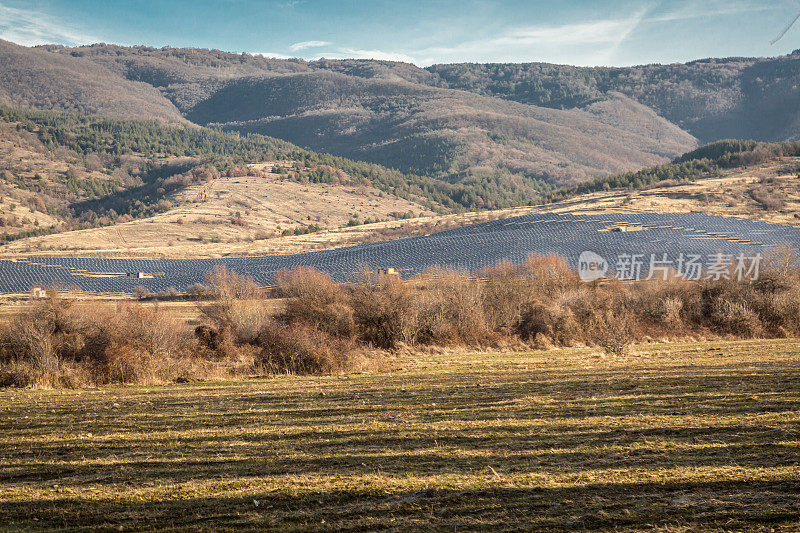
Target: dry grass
[(674, 438), (232, 214)]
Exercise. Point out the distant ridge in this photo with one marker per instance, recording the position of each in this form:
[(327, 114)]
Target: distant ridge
[(459, 122), (390, 113)]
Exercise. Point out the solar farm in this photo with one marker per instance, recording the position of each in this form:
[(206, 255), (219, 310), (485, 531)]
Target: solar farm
[(470, 248)]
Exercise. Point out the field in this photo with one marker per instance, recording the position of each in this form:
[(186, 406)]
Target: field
[(185, 312), (677, 437)]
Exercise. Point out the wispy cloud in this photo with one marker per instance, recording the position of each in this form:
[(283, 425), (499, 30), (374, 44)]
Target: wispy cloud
[(273, 55), (591, 42), (304, 45), (582, 43), (585, 43), (28, 27), (691, 10)]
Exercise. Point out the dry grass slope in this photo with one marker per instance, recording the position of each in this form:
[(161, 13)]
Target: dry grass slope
[(243, 215)]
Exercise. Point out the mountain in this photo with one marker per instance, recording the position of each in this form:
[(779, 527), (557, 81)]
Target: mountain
[(36, 77), (528, 126), (390, 113), (713, 99)]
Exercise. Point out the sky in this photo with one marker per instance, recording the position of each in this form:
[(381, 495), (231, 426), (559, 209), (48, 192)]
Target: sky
[(577, 32)]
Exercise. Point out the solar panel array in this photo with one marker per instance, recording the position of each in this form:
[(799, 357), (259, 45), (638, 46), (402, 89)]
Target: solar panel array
[(467, 249)]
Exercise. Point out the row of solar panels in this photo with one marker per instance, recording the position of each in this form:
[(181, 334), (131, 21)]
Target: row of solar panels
[(468, 248)]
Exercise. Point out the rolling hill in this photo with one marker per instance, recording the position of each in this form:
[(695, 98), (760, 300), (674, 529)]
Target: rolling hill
[(35, 77), (460, 123), (259, 210), (713, 99), (390, 113), (460, 136), (61, 172)]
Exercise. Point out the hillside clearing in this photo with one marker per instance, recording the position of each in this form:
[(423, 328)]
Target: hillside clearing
[(733, 194), (699, 436)]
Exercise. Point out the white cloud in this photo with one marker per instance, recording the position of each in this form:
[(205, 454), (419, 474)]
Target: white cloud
[(29, 28), (308, 44), (273, 55), (590, 43)]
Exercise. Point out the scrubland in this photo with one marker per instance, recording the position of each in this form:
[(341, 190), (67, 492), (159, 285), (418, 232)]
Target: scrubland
[(323, 327)]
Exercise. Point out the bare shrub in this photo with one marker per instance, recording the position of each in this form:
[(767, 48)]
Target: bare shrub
[(667, 303), (123, 363), (237, 305), (767, 198), (31, 341), (505, 294), (512, 293), (150, 330), (780, 270), (130, 343), (780, 313), (315, 299), (246, 319), (383, 309), (214, 343), (225, 285), (56, 343), (614, 333), (301, 349), (549, 275), (554, 323), (731, 315), (667, 310), (450, 310)]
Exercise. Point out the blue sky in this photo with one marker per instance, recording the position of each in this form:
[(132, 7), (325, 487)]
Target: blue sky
[(599, 32)]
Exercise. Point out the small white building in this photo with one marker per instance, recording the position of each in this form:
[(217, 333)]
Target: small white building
[(38, 292)]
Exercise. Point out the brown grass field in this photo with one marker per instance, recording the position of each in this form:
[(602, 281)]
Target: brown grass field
[(672, 437)]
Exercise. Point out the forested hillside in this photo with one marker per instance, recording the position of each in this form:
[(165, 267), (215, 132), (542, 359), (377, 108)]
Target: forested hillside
[(34, 77), (390, 113), (64, 171), (705, 162), (712, 99), (487, 135)]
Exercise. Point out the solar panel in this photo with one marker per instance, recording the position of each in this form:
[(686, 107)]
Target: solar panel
[(467, 248)]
